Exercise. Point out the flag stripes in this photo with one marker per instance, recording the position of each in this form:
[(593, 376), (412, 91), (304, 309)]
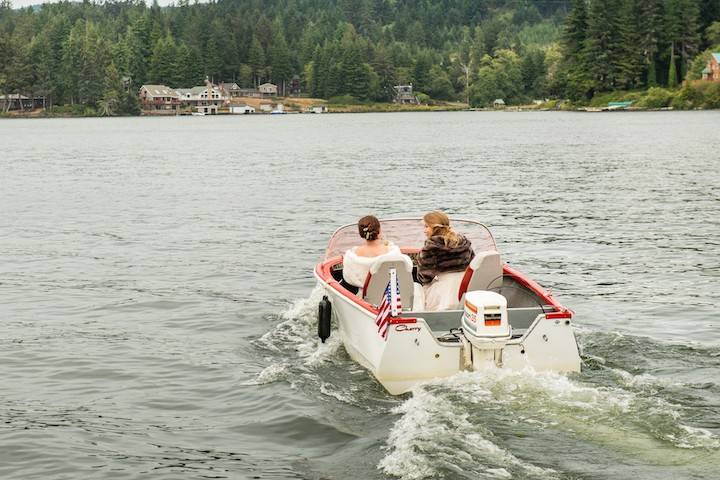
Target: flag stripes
[(390, 306)]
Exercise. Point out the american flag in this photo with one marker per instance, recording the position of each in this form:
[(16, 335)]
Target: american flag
[(390, 306)]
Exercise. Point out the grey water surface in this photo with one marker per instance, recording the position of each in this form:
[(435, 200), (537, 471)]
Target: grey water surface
[(157, 303)]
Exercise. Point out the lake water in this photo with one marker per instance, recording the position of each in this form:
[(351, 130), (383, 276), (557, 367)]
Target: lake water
[(157, 303)]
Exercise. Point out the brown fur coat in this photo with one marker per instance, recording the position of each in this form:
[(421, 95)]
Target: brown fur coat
[(435, 257)]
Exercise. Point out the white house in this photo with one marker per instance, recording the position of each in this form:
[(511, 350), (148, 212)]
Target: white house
[(318, 109), (240, 109), (206, 110), (269, 89), (199, 95)]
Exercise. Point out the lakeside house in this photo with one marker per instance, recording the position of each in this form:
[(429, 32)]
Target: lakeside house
[(241, 109), (268, 89), (404, 95), (205, 109), (195, 96), (318, 109), (17, 101), (249, 92), (499, 103), (712, 70), (159, 98), (230, 89)]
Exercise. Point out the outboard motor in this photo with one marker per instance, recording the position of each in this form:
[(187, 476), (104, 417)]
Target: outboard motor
[(324, 314), (486, 328)]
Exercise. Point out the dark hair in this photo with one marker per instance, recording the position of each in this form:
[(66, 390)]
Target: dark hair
[(369, 227)]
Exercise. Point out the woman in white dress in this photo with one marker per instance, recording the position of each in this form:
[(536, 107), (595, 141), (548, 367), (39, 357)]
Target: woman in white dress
[(358, 260)]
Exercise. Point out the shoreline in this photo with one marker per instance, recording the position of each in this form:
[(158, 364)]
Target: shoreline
[(360, 109)]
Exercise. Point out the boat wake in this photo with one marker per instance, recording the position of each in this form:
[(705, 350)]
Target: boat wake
[(498, 424), (477, 424), (296, 355)]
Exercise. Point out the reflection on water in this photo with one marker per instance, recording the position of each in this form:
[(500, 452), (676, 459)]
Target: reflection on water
[(158, 301)]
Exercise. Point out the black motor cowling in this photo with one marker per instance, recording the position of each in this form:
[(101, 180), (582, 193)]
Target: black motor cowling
[(324, 311)]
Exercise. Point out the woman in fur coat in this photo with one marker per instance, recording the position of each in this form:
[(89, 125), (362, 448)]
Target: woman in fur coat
[(442, 262)]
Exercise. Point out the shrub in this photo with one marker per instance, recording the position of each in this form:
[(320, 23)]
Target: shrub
[(344, 100), (423, 98), (687, 98), (77, 110), (707, 94), (656, 98)]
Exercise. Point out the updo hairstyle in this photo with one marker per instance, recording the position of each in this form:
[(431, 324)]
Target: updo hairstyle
[(369, 228)]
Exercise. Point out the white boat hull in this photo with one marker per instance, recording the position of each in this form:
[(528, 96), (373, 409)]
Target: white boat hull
[(411, 353)]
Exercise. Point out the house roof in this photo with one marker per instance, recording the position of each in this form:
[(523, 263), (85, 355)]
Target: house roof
[(191, 91), (160, 91), (706, 70), (230, 86), (268, 85), (499, 101), (717, 56), (14, 96)]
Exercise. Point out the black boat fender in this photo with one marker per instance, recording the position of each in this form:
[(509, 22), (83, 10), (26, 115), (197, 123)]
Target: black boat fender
[(324, 314)]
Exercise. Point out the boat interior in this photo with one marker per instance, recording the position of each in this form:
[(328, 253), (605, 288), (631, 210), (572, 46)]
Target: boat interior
[(524, 305)]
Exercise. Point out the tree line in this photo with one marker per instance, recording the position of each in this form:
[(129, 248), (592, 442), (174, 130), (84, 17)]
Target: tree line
[(627, 44), (97, 54)]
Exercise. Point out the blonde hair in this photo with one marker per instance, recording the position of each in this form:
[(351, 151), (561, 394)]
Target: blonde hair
[(439, 224)]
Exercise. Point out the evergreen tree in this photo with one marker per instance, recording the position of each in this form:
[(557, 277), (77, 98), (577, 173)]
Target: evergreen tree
[(95, 60), (604, 51), (213, 53), (649, 28), (164, 68), (189, 67), (385, 70), (574, 76), (354, 76), (136, 43), (672, 73), (72, 61), (245, 76), (113, 93), (683, 31), (280, 66), (256, 60)]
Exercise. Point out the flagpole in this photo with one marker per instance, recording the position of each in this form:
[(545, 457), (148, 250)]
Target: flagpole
[(393, 292)]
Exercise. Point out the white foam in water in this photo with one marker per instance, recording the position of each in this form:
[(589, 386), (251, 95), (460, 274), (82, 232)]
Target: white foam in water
[(299, 331), (643, 380), (273, 373), (695, 438), (447, 424), (332, 391), (434, 435)]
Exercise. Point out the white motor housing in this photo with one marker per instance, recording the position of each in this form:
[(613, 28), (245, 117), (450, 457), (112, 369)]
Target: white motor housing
[(486, 328), (485, 315)]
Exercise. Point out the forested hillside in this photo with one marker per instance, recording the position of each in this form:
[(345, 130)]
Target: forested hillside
[(475, 50)]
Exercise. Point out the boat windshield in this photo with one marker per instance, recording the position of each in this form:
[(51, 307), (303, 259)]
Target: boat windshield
[(408, 233)]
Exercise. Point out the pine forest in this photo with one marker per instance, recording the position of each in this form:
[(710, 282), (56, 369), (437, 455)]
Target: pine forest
[(97, 54)]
